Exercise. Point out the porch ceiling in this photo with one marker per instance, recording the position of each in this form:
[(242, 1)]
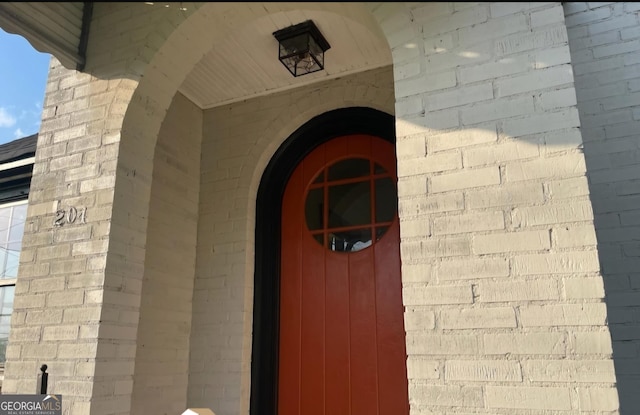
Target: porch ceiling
[(246, 64)]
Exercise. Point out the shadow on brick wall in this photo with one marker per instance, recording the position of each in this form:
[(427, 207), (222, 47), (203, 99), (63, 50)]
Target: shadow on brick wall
[(605, 76)]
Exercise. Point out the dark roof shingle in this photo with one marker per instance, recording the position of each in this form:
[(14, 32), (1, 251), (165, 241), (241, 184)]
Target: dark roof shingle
[(18, 149)]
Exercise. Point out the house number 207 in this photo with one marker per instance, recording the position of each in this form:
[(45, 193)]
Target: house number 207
[(69, 216)]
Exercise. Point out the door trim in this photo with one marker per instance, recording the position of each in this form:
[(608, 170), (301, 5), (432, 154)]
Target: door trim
[(266, 303)]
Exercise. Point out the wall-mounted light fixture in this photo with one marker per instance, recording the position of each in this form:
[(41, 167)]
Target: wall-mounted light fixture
[(302, 48)]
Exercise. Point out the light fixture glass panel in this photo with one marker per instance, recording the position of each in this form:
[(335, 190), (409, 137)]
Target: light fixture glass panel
[(294, 45)]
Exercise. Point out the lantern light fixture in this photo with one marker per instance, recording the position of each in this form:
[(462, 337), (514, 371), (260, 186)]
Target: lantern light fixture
[(302, 48)]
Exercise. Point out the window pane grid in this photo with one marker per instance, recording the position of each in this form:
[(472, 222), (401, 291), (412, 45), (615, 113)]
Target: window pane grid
[(350, 205)]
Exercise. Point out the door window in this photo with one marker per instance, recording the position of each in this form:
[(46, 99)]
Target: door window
[(350, 205)]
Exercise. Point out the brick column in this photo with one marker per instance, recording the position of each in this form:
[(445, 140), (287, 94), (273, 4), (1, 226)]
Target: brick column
[(75, 308), (504, 298)]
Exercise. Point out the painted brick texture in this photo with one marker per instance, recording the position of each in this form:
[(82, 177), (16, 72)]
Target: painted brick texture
[(504, 276), (605, 46), (162, 358), (503, 165), (89, 158), (64, 287)]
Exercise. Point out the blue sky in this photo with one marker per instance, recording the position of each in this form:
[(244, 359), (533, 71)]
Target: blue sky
[(23, 76)]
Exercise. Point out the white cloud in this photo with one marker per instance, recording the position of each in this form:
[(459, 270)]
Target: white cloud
[(18, 133), (6, 119)]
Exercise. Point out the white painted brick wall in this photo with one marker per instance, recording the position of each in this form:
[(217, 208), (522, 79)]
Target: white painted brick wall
[(483, 370), (513, 223), (422, 342), (605, 45), (537, 398), (162, 361)]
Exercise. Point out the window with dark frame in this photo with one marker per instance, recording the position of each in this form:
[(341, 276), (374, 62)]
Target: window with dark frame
[(12, 220), (16, 167)]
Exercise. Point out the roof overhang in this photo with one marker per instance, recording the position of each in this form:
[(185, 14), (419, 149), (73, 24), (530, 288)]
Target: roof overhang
[(60, 29)]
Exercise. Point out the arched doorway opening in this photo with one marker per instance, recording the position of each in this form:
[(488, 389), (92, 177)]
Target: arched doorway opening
[(267, 280)]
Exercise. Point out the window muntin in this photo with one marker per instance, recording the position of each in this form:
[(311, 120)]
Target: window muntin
[(349, 204)]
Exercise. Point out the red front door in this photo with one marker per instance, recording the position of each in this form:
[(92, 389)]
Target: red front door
[(342, 338)]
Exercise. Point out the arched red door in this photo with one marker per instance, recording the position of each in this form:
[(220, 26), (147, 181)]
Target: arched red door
[(342, 339)]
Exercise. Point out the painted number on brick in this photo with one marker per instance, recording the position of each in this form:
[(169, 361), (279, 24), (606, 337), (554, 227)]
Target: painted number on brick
[(70, 216)]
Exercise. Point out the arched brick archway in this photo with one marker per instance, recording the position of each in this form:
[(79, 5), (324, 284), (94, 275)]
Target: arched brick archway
[(122, 103), (142, 123)]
